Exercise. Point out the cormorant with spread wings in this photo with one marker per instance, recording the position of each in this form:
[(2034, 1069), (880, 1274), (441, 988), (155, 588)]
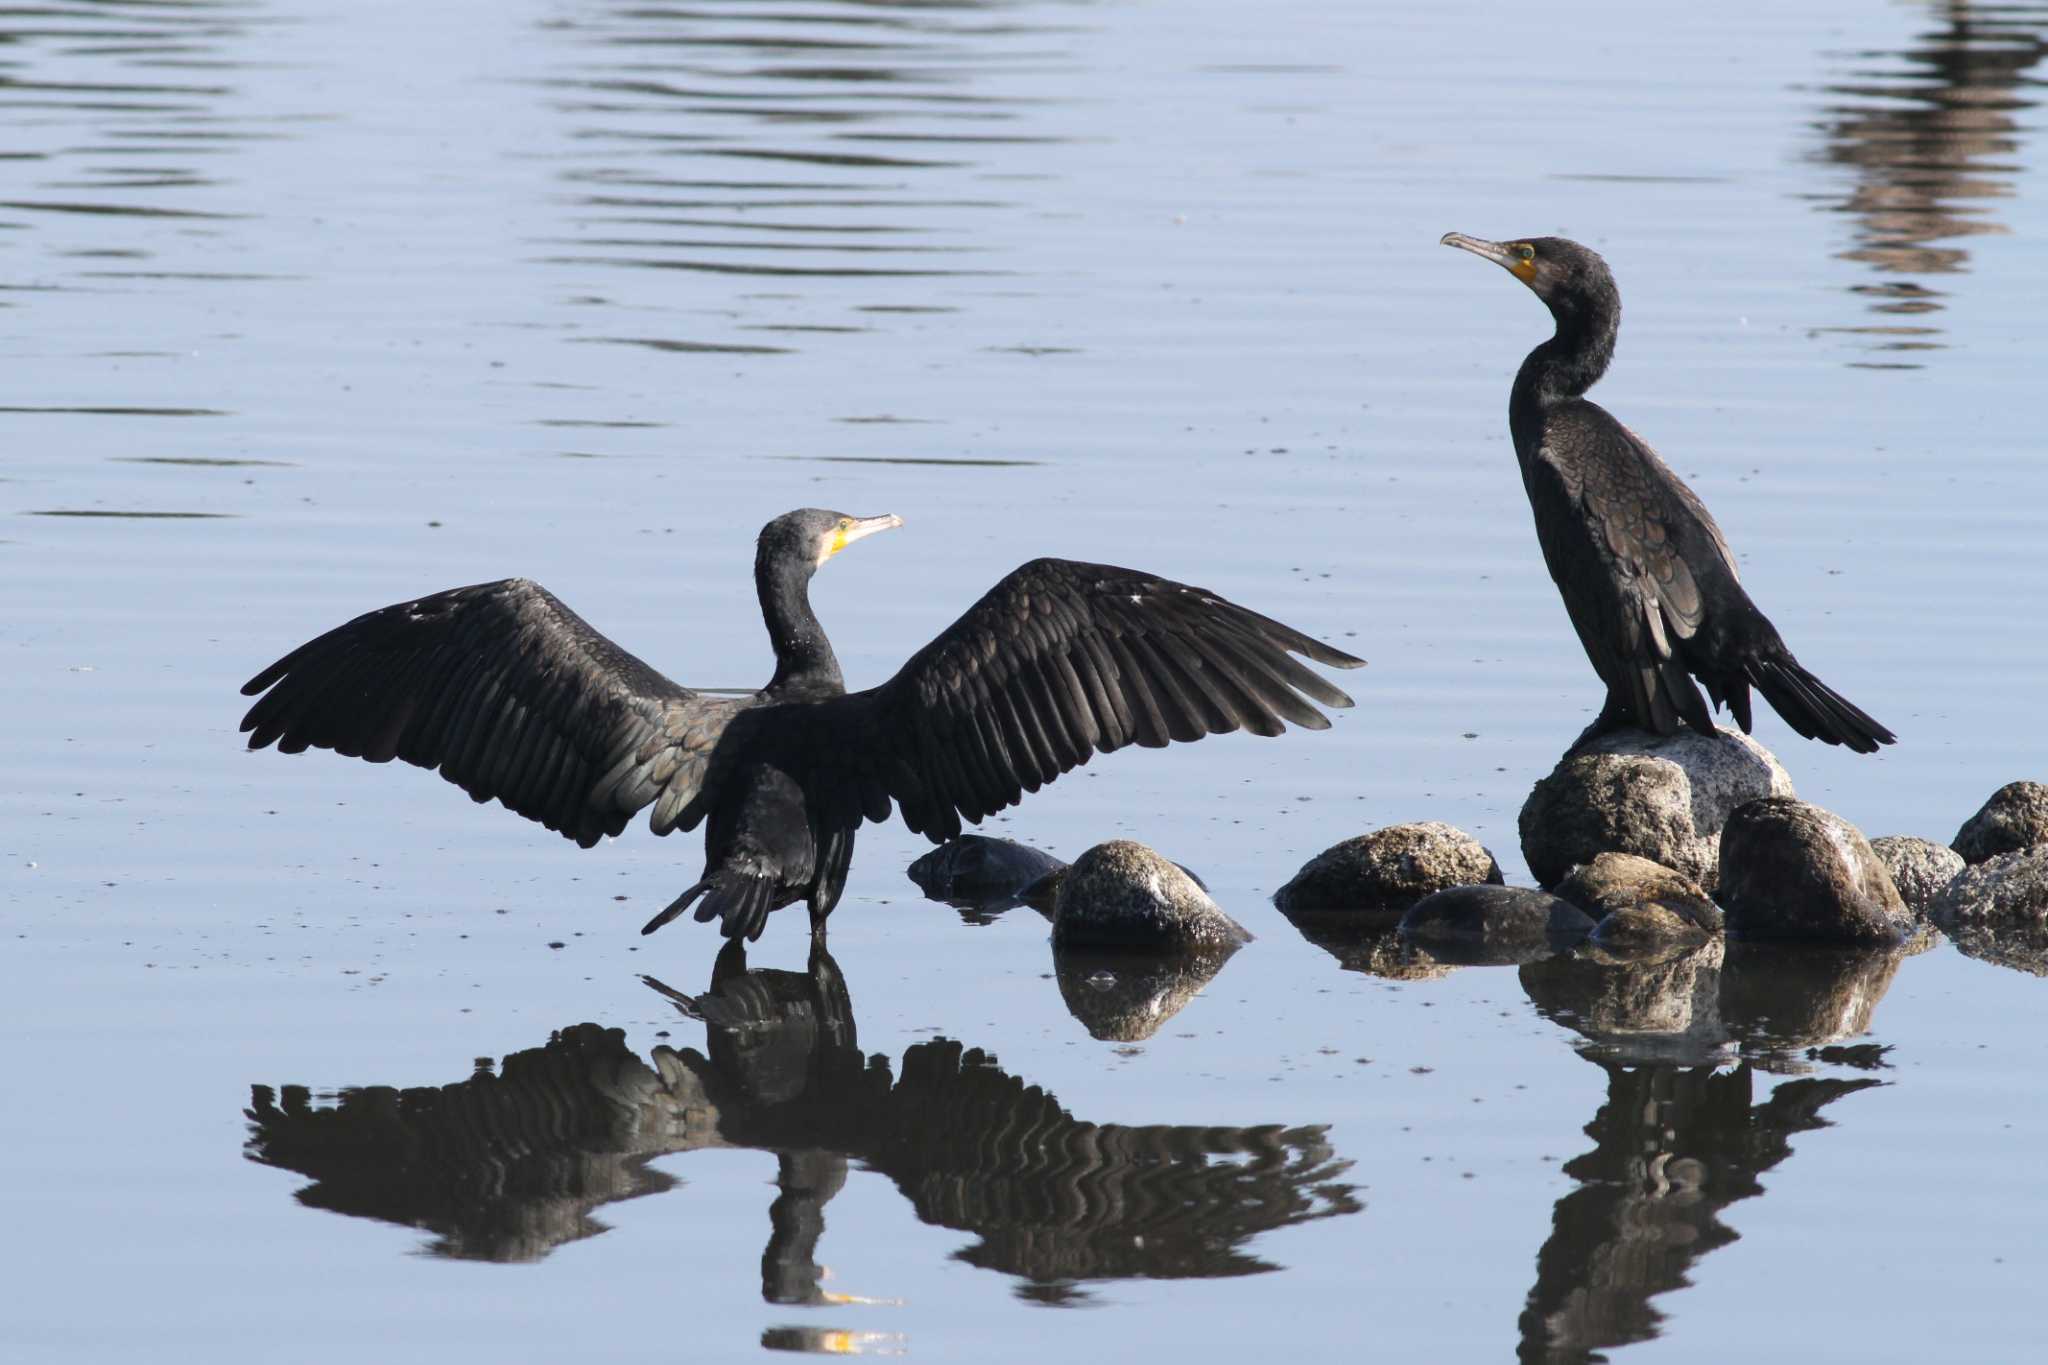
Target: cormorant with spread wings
[(1646, 576), (512, 695)]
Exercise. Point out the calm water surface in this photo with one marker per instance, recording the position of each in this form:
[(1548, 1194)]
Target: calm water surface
[(306, 309)]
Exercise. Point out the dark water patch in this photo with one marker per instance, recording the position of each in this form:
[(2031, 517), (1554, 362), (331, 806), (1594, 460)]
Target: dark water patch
[(906, 460), (733, 268), (204, 461), (113, 210), (886, 419), (904, 308), (111, 411), (1583, 177), (704, 244), (220, 276), (591, 422), (684, 347), (1033, 350), (131, 515), (802, 327)]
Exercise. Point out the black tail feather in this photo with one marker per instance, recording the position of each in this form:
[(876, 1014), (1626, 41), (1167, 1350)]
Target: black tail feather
[(1813, 708), (676, 906), (740, 902)]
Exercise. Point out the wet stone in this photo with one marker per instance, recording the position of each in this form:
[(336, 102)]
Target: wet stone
[(1386, 871), (1920, 868), (2008, 890), (1122, 894), (1636, 901), (2013, 820), (1664, 798), (1791, 870), (977, 869), (1481, 925)]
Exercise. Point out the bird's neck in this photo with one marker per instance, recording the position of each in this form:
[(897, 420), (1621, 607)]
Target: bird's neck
[(1573, 360), (804, 662)]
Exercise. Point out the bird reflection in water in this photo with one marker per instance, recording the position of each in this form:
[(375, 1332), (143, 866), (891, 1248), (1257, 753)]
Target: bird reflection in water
[(1682, 1134), (1931, 145), (509, 1164)]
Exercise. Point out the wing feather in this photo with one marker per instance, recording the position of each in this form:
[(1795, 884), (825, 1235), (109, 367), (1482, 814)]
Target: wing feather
[(1056, 663), (510, 695)]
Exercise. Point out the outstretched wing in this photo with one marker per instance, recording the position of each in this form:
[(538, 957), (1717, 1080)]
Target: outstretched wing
[(1635, 555), (1058, 662), (511, 695)]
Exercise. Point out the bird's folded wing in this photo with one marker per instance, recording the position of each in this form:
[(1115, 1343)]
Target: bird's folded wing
[(510, 695)]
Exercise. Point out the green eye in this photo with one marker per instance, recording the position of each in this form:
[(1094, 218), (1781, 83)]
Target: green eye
[(1525, 252)]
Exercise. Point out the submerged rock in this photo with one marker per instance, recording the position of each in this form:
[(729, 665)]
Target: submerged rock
[(2013, 820), (1638, 902), (1122, 894), (1493, 925), (1388, 870), (1791, 870), (1664, 798), (1123, 997), (1920, 868), (976, 870), (2009, 890)]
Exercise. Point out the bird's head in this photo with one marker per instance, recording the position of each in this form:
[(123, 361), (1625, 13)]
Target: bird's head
[(812, 535), (1557, 270)]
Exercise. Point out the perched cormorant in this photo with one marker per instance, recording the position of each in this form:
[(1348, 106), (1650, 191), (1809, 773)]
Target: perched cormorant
[(512, 695), (1644, 571)]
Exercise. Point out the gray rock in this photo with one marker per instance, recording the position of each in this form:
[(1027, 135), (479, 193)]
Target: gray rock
[(1493, 925), (1654, 1008), (1790, 870), (976, 870), (1043, 894), (1123, 997), (1388, 870), (1637, 902), (1664, 798), (1782, 998), (2013, 820), (2009, 890), (1123, 895), (1920, 868)]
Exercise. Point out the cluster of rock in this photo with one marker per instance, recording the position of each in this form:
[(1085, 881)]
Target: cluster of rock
[(1645, 847), (1640, 841)]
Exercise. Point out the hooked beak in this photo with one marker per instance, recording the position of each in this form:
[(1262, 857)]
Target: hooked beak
[(858, 528), (1498, 252)]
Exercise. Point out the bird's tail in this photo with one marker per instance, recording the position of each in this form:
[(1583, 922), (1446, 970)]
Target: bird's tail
[(741, 900), (1810, 706)]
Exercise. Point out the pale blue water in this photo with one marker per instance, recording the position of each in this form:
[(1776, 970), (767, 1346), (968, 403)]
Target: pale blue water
[(360, 302)]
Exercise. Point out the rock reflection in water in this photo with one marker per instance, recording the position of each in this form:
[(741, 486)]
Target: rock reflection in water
[(1930, 144), (1125, 995), (507, 1166), (1680, 1138)]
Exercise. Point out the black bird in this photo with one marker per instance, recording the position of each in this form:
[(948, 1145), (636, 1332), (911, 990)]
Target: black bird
[(1645, 573), (514, 696)]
